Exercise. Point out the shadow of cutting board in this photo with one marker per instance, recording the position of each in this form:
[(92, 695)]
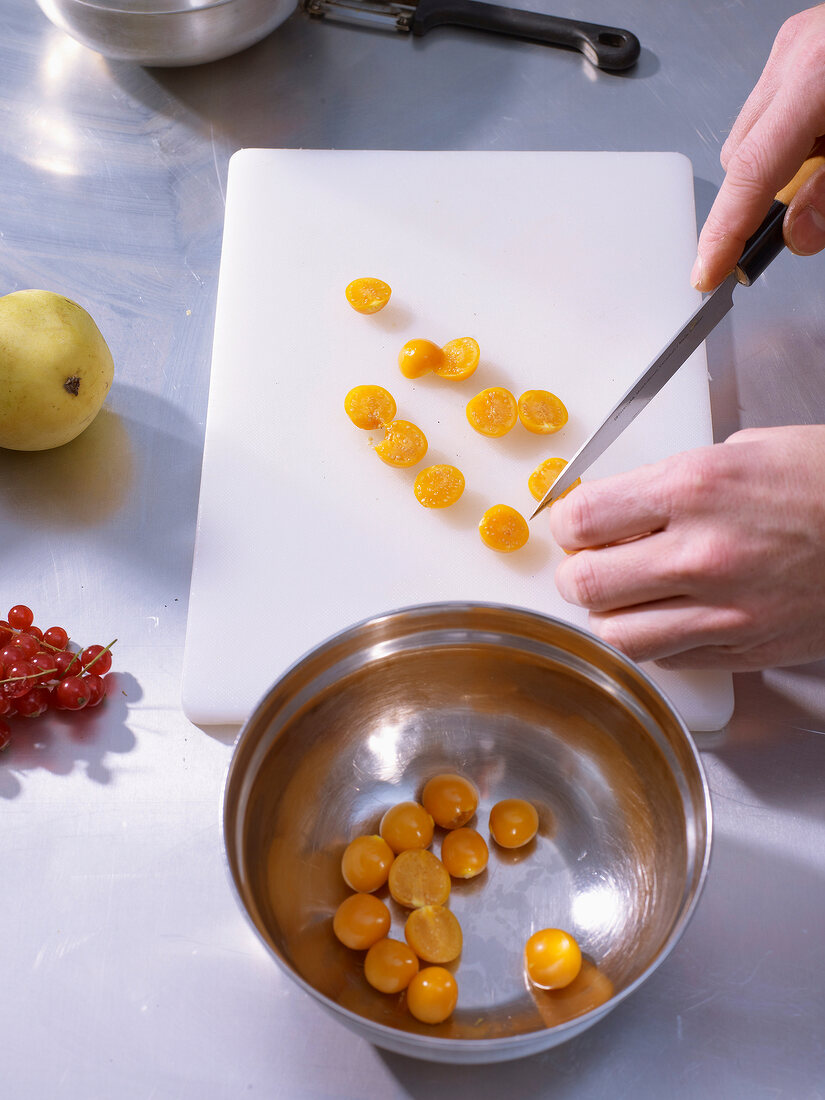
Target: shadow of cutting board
[(570, 269)]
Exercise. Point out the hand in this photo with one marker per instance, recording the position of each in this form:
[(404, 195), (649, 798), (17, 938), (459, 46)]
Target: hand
[(725, 563), (780, 125)]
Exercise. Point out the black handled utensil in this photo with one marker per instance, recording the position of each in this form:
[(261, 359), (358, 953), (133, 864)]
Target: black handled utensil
[(608, 48)]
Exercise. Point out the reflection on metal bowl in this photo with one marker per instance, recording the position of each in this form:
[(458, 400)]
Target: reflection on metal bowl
[(168, 32), (525, 706)]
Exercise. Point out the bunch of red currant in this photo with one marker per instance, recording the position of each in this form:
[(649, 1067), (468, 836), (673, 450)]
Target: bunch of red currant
[(38, 670)]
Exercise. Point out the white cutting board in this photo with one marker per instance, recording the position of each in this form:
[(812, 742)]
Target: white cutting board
[(571, 271)]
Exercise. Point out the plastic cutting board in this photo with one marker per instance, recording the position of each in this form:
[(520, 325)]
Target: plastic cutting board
[(570, 269)]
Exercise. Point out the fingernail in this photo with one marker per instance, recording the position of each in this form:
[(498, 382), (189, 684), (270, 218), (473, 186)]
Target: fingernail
[(807, 232), (698, 273)]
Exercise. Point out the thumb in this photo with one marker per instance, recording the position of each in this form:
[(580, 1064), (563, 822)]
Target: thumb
[(804, 226)]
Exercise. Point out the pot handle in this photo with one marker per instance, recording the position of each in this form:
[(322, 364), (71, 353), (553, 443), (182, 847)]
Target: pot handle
[(609, 48)]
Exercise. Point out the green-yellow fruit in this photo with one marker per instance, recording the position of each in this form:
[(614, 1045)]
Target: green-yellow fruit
[(55, 370)]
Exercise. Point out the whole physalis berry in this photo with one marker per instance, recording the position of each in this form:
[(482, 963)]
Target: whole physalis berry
[(360, 921), (407, 825), (390, 966), (366, 863), (552, 958), (419, 357), (432, 995), (513, 822), (464, 853), (368, 295), (450, 799)]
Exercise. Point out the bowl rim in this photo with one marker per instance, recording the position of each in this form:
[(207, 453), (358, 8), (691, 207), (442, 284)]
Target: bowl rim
[(173, 7), (383, 1034)]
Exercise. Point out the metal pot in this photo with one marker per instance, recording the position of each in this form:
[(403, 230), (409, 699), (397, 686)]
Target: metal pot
[(525, 706), (168, 32)]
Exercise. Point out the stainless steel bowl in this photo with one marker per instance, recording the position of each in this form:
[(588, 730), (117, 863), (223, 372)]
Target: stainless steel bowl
[(526, 706), (168, 32)]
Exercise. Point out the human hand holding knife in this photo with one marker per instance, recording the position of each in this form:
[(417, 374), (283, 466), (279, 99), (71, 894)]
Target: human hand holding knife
[(763, 247)]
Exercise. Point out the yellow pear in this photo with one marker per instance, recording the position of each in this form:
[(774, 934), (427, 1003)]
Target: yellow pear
[(55, 370)]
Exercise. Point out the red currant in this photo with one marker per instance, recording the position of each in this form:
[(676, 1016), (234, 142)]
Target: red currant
[(64, 660), (45, 666), (6, 706), (33, 703), (19, 678), (35, 632), (5, 734), (6, 632), (9, 654), (21, 617), (56, 637), (27, 644), (97, 688), (97, 659), (72, 693)]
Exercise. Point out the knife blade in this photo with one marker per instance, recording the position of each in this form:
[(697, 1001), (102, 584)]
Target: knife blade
[(763, 247)]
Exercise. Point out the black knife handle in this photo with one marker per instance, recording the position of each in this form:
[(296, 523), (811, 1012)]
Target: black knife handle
[(764, 246), (768, 241), (607, 48)]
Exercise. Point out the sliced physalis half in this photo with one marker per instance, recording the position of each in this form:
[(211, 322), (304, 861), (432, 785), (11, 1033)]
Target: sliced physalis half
[(368, 295), (403, 444)]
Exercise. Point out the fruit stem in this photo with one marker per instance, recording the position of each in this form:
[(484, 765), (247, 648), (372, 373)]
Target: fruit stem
[(97, 657)]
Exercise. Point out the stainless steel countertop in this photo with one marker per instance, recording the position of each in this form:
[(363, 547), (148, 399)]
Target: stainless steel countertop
[(127, 969)]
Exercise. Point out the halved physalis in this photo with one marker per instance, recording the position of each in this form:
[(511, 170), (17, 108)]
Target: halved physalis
[(432, 995), (541, 412), (368, 295), (439, 486), (419, 878), (403, 444), (492, 412), (504, 529), (366, 863), (390, 966), (545, 474), (513, 822), (370, 406), (434, 934), (407, 825), (419, 357), (360, 921), (459, 359), (450, 799), (464, 853), (552, 958)]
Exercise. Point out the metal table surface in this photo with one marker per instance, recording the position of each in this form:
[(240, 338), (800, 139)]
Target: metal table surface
[(127, 969)]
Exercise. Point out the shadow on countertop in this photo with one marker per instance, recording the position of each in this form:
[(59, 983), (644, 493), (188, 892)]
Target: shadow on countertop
[(61, 741)]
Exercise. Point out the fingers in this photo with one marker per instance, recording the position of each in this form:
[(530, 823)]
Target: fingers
[(619, 576), (662, 630), (620, 507), (805, 220), (774, 133), (762, 164)]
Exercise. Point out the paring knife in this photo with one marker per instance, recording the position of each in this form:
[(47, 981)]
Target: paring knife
[(608, 48), (764, 246)]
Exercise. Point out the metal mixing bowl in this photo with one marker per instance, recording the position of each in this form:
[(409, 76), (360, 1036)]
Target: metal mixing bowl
[(526, 706), (168, 32)]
